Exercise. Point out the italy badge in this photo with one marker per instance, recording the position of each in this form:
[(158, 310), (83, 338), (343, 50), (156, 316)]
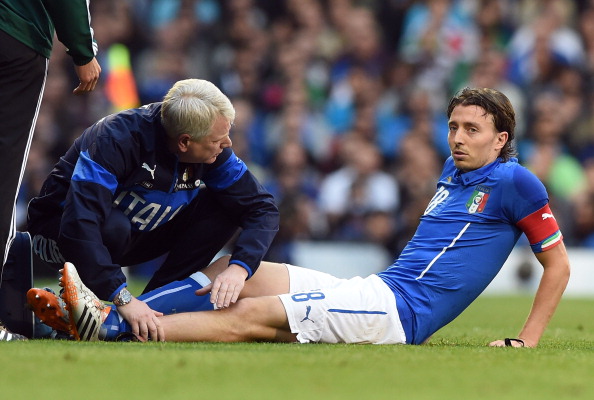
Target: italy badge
[(478, 199)]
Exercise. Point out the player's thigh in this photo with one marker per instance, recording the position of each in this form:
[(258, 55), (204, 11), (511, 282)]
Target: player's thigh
[(302, 279), (270, 279)]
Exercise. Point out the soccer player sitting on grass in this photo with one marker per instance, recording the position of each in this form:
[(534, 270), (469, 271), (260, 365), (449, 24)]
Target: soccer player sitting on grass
[(484, 201)]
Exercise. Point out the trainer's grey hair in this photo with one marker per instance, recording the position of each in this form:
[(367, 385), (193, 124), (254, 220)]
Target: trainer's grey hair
[(191, 106)]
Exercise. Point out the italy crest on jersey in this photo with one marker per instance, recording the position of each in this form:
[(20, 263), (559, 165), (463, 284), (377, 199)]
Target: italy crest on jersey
[(478, 199)]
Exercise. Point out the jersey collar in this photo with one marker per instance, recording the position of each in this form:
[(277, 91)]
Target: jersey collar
[(479, 175)]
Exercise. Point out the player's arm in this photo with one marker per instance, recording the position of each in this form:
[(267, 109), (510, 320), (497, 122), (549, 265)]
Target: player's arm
[(102, 162), (552, 285), (546, 241), (239, 192), (72, 21)]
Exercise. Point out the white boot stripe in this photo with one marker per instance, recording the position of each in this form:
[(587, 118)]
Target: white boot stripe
[(83, 318), (85, 308)]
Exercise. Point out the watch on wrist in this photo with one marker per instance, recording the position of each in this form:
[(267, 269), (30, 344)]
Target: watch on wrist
[(122, 298)]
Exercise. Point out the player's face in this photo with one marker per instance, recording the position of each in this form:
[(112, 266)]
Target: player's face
[(473, 138), (210, 146)]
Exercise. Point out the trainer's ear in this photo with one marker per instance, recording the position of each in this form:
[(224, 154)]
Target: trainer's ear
[(183, 142)]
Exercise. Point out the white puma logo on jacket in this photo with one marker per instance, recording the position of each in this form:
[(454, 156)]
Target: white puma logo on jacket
[(152, 171)]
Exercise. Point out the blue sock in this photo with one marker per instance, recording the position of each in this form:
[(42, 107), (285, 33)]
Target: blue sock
[(175, 297)]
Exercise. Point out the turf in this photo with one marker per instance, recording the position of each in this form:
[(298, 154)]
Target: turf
[(456, 364)]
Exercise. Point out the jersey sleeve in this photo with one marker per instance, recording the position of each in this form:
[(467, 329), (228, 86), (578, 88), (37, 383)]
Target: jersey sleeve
[(72, 22), (241, 194), (532, 213), (88, 205)]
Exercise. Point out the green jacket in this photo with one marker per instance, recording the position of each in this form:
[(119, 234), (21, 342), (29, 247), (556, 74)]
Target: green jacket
[(32, 22)]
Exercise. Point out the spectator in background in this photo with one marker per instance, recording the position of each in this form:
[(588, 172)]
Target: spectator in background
[(585, 27), (248, 136), (180, 50), (355, 191), (583, 209), (417, 169), (417, 114), (294, 184), (243, 54), (490, 71), (542, 43), (397, 82), (581, 138), (494, 20), (355, 72), (440, 38), (297, 119), (546, 153)]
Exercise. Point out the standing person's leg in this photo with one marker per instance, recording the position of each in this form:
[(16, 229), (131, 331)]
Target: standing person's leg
[(22, 80)]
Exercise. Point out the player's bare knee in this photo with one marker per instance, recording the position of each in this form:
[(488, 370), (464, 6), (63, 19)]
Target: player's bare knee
[(252, 319)]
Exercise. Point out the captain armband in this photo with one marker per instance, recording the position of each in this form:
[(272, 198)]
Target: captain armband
[(541, 229)]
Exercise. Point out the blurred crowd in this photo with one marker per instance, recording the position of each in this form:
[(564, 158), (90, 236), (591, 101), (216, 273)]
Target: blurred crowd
[(341, 103)]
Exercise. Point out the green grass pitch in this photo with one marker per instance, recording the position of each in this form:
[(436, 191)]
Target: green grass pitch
[(456, 364)]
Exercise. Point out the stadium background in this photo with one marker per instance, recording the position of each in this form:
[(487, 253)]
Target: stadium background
[(340, 104)]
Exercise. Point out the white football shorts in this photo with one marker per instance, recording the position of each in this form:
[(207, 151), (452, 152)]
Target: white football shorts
[(356, 310)]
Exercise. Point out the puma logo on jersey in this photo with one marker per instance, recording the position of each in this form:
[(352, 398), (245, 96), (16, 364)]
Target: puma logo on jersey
[(307, 311), (152, 171), (547, 215)]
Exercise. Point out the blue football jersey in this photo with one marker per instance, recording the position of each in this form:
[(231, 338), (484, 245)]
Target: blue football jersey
[(464, 237)]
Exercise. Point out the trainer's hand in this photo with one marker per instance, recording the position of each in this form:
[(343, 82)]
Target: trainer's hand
[(143, 320), (88, 75), (227, 286)]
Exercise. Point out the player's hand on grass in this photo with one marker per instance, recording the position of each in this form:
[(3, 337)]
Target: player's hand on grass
[(511, 343), (226, 287), (88, 75), (143, 320)]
